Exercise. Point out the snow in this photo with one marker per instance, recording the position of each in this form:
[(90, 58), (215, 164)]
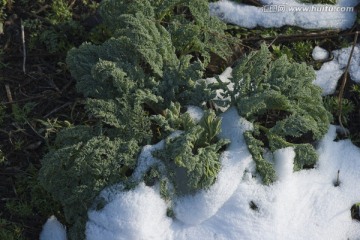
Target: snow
[(195, 113), (278, 13), (342, 57), (300, 205), (327, 77), (53, 230), (330, 72), (284, 163), (320, 54), (136, 214)]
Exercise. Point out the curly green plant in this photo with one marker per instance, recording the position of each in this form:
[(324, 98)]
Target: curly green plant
[(193, 30), (172, 120), (192, 157), (332, 105), (286, 108), (83, 162), (122, 79)]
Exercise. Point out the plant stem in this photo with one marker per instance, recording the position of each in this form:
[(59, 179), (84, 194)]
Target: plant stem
[(341, 93)]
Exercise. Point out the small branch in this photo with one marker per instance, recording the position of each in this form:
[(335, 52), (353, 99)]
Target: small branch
[(299, 37), (342, 88), (57, 109), (24, 46), (254, 3), (71, 5), (8, 93), (42, 9)]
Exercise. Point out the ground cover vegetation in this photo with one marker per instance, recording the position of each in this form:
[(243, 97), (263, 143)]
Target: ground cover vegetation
[(129, 86)]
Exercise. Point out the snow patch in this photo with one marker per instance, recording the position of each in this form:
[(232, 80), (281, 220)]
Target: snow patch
[(319, 53), (330, 72), (53, 230), (195, 113), (284, 163), (136, 214), (280, 13)]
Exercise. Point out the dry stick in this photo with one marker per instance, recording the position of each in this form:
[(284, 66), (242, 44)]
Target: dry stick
[(272, 42), (57, 109), (342, 88), (43, 8), (256, 3), (8, 93), (298, 37), (24, 47)]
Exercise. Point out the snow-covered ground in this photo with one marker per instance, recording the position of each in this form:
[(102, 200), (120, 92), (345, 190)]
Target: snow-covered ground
[(278, 13), (330, 72), (53, 230)]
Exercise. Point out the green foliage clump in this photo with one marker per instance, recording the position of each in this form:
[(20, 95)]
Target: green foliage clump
[(147, 56), (83, 162), (21, 114), (172, 120), (263, 167), (332, 105), (300, 51), (31, 201), (192, 29), (3, 6), (57, 25), (143, 48), (10, 231), (192, 157), (286, 108)]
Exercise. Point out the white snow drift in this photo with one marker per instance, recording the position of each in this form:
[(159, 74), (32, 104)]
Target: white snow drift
[(330, 72), (278, 13)]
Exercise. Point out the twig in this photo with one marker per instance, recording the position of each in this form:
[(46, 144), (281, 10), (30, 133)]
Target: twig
[(71, 5), (342, 88), (30, 98), (272, 42), (255, 3), (37, 16), (8, 93), (42, 8), (301, 36), (36, 132), (57, 109), (24, 46)]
